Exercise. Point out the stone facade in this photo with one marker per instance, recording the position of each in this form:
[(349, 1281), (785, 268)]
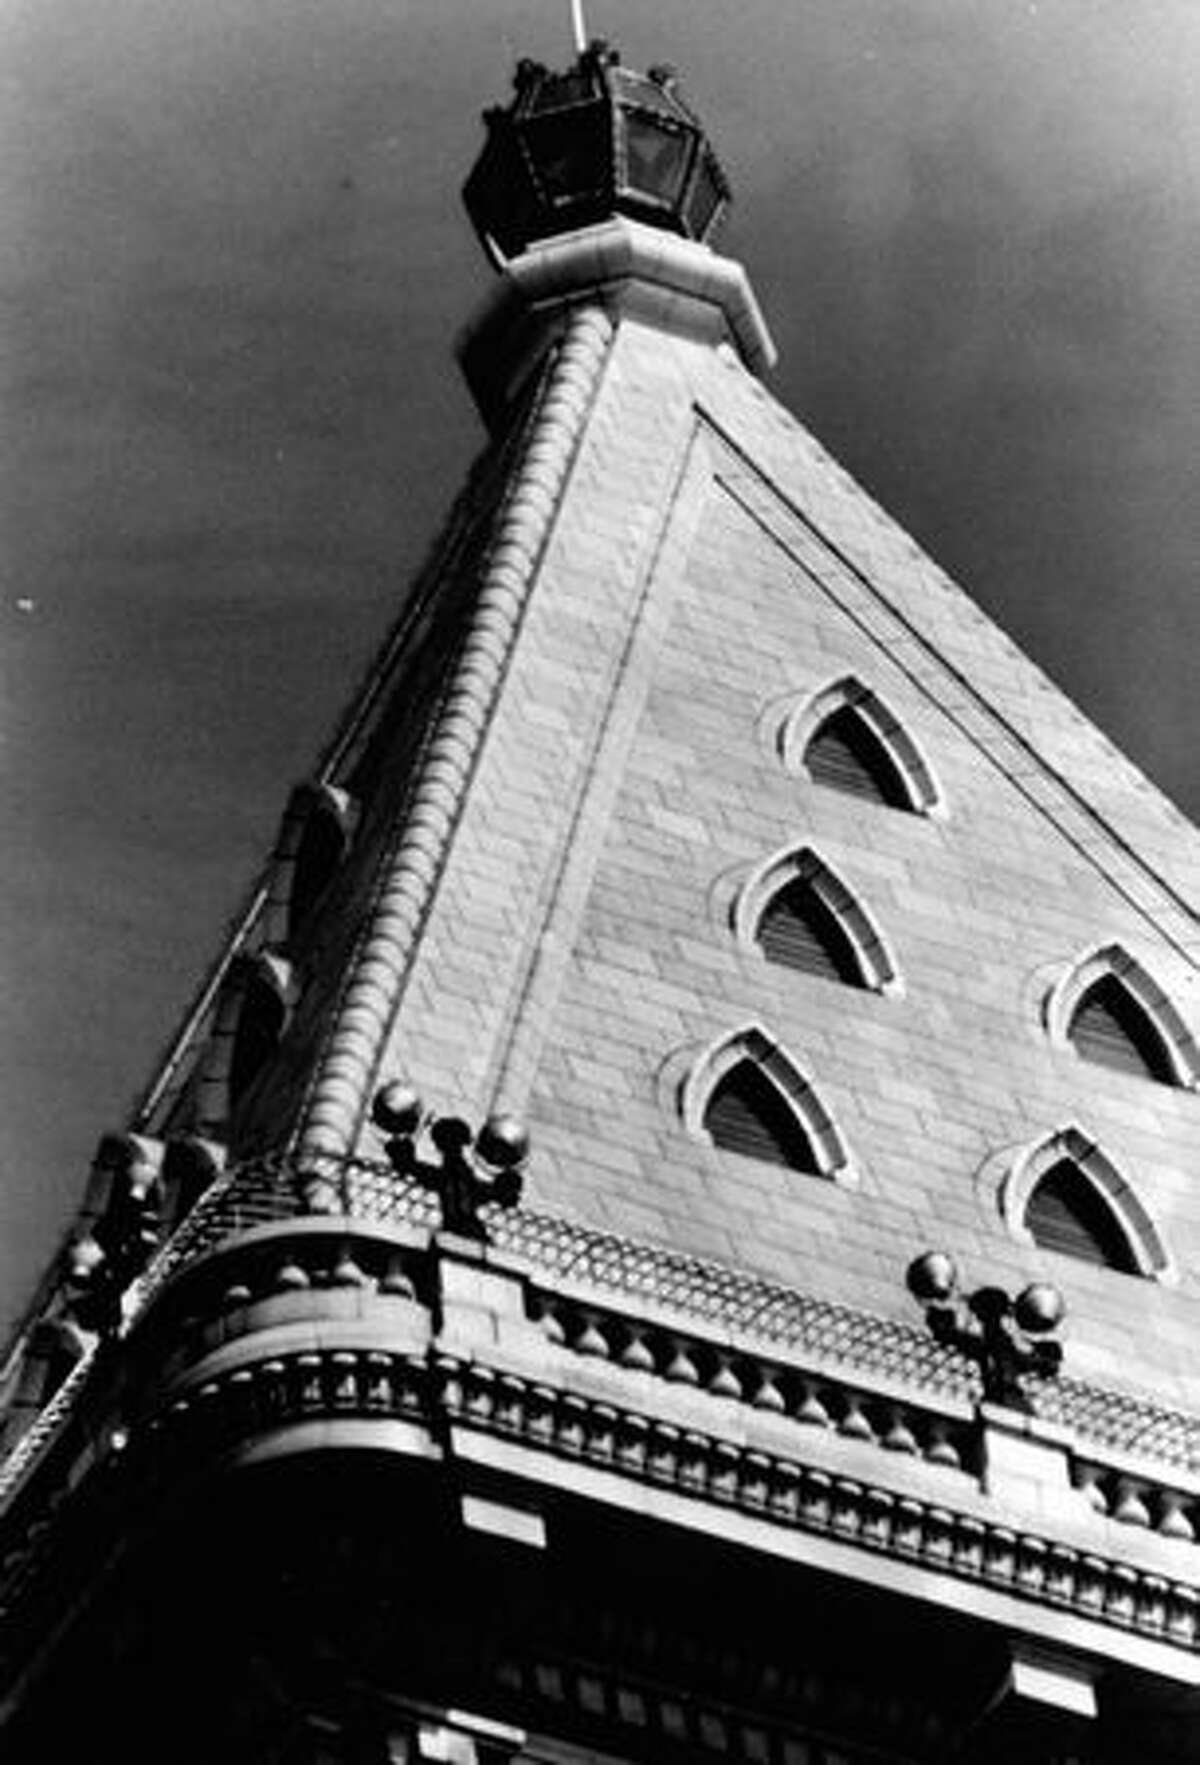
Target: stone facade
[(529, 882)]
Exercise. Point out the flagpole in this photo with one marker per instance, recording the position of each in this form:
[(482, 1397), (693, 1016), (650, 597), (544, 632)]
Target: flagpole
[(578, 26)]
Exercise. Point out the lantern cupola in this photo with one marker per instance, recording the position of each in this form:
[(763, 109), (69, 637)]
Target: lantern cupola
[(583, 146)]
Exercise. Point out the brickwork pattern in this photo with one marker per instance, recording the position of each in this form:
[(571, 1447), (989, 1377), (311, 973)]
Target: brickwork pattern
[(576, 960), (576, 1269), (508, 900), (676, 570), (378, 970)]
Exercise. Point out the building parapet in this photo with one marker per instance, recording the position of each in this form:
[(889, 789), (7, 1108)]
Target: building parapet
[(628, 1299), (551, 1364)]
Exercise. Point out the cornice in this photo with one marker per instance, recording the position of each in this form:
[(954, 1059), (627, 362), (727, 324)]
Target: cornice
[(933, 1534), (640, 1307), (581, 1263), (427, 1405), (308, 1335)]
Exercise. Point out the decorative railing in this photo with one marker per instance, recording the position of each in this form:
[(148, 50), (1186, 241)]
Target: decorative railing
[(1140, 1501), (694, 1462), (213, 1299), (896, 1424), (688, 1457), (269, 1193), (650, 1315), (1119, 1420), (727, 1332), (271, 1190), (45, 1426), (566, 1251), (733, 1301)]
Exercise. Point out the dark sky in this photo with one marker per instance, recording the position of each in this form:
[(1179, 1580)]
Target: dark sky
[(232, 263)]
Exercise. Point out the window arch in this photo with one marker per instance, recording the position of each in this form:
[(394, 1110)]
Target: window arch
[(313, 839), (1111, 1012), (319, 854), (1066, 1195), (261, 1020), (191, 1165), (251, 1017), (1067, 1213), (746, 1095), (799, 913), (848, 739), (1109, 1027)]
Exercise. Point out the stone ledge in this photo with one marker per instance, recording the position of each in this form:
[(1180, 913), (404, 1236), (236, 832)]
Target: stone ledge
[(632, 1288), (626, 267), (913, 1532), (887, 1519)]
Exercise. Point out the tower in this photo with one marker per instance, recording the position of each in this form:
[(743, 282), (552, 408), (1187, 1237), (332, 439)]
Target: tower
[(491, 1336)]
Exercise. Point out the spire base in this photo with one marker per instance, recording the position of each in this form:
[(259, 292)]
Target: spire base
[(633, 271)]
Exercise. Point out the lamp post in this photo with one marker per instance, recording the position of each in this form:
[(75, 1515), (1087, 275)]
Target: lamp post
[(474, 1170), (1009, 1339)]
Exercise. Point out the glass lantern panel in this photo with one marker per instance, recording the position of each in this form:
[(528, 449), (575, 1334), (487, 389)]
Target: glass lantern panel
[(704, 199), (500, 199), (634, 91), (555, 91), (570, 153), (656, 157)]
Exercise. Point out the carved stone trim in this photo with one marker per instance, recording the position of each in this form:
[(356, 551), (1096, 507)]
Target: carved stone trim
[(339, 1094), (792, 1494), (295, 1387), (616, 1705), (249, 1407), (645, 1286), (563, 1252), (878, 1413)]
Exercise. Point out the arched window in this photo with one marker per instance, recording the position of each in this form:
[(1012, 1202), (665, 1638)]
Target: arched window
[(800, 915), (746, 1095), (1110, 1010), (847, 755), (314, 836), (846, 738), (318, 856), (748, 1114), (1065, 1194), (260, 1026), (249, 1021), (798, 930), (191, 1165), (1111, 1028), (1067, 1213)]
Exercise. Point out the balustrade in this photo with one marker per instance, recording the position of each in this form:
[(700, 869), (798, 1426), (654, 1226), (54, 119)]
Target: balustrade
[(1137, 1501), (699, 1465), (741, 1377)]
